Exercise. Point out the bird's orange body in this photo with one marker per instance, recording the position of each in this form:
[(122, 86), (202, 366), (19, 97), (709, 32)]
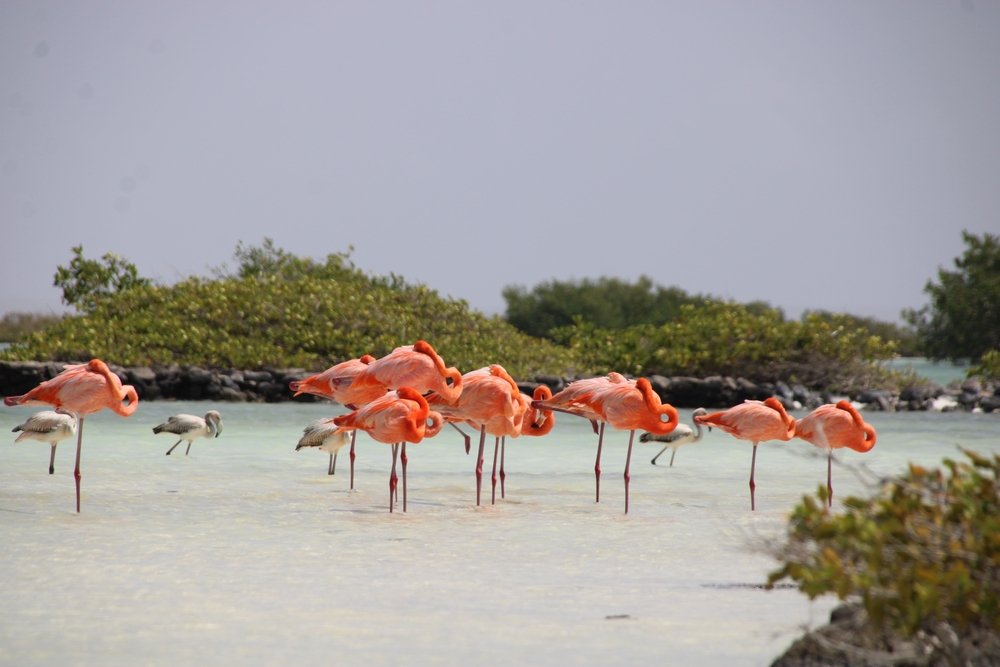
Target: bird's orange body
[(832, 427), (836, 426), (335, 383), (399, 416), (395, 419), (416, 366), (755, 421), (83, 389), (628, 405)]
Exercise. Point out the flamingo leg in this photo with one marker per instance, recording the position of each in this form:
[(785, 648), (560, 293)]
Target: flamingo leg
[(753, 463), (392, 476), (354, 434), (829, 476), (52, 460), (672, 457), (175, 446), (496, 452), (479, 464), (79, 447), (628, 462), (330, 468), (402, 457), (658, 456), (468, 440), (593, 424), (188, 450), (597, 466), (503, 447)]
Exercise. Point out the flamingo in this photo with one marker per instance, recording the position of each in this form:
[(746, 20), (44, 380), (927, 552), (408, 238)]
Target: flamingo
[(755, 421), (489, 403), (682, 435), (335, 383), (190, 428), (535, 423), (832, 427), (399, 417), (82, 389), (416, 366), (323, 434), (47, 426), (625, 404)]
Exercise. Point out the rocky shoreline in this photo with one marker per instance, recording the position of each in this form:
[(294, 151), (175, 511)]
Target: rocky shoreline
[(191, 383)]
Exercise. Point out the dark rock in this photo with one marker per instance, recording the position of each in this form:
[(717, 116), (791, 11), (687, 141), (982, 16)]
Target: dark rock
[(528, 387), (230, 394), (745, 389), (872, 396), (660, 384), (765, 390), (989, 403), (554, 382), (971, 386), (968, 400), (800, 394), (197, 376), (257, 376), (783, 390), (140, 375), (227, 381)]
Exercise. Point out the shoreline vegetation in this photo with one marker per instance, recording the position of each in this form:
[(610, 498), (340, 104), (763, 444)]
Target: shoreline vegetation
[(244, 333)]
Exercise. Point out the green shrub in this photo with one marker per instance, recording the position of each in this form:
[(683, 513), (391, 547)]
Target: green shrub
[(279, 310), (729, 339), (925, 548), (988, 367), (14, 324)]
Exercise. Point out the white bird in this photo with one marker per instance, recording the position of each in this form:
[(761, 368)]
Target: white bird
[(322, 434), (681, 435), (190, 428), (48, 426)]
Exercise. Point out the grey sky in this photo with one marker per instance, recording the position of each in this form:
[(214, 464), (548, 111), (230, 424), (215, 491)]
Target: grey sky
[(812, 154)]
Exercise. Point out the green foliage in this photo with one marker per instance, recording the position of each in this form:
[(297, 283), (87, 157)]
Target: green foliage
[(277, 310), (728, 339), (14, 325), (962, 321), (606, 303), (906, 339), (988, 367), (925, 548), (86, 281)]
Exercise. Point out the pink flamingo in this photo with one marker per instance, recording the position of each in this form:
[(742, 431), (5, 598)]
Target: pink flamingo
[(625, 404), (83, 390), (398, 417), (489, 403), (336, 383), (535, 423), (416, 366), (755, 421), (832, 427)]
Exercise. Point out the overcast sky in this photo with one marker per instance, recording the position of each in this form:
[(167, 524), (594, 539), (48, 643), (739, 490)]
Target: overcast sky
[(811, 154)]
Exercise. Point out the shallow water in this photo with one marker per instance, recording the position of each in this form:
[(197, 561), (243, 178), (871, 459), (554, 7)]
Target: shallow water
[(248, 552)]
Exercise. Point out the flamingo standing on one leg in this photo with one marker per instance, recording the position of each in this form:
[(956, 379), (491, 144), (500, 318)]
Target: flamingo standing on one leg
[(326, 436), (682, 435), (83, 390), (395, 419), (626, 405), (755, 421), (191, 427), (335, 383), (832, 427), (47, 426), (488, 403)]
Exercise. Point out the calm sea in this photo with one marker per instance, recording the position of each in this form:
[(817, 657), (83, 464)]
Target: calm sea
[(247, 552)]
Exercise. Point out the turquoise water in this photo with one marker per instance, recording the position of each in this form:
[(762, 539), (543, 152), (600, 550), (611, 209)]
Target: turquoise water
[(941, 372), (247, 552)]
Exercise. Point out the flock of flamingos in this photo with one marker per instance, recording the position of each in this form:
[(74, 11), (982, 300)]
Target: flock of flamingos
[(410, 395)]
